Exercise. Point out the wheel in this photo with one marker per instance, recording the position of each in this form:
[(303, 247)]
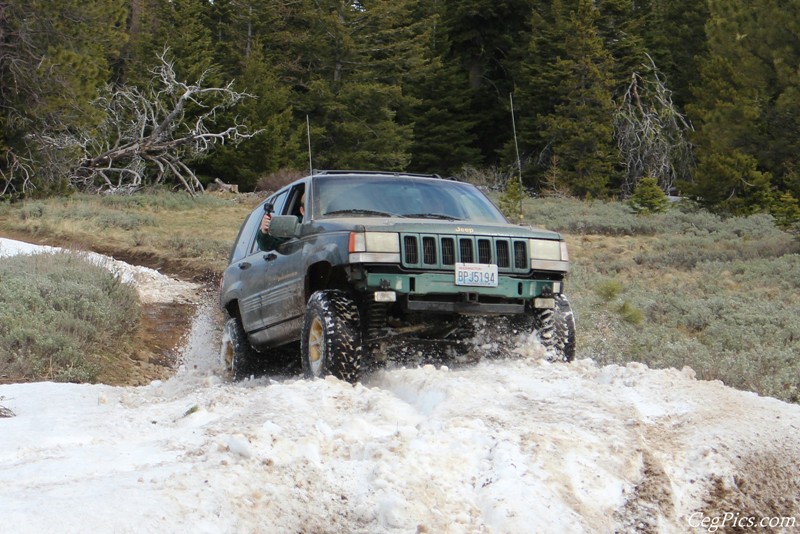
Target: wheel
[(238, 353), (331, 340), (556, 328)]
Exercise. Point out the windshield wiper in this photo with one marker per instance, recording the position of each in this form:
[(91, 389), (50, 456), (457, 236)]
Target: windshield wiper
[(360, 212), (431, 216)]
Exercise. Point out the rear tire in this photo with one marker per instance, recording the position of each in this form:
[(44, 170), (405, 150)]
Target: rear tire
[(331, 342), (556, 328), (239, 355)]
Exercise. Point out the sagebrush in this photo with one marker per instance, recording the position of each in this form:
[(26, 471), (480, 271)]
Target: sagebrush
[(60, 315)]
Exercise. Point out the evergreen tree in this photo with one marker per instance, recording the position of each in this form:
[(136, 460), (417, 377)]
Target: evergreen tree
[(648, 197), (184, 28), (444, 139), (620, 23), (675, 37), (578, 128), (746, 108), (181, 26), (279, 145), (511, 201), (55, 56), (350, 63), (486, 39)]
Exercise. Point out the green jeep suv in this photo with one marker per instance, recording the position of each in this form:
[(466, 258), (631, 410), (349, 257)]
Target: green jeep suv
[(378, 260)]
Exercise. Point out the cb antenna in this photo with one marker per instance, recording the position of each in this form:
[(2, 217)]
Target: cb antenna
[(308, 131)]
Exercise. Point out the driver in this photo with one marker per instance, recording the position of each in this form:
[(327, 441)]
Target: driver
[(268, 242)]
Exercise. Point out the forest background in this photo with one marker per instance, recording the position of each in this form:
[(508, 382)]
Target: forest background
[(702, 96)]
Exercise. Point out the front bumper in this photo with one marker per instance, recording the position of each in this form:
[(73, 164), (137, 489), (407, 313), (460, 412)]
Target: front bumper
[(444, 283)]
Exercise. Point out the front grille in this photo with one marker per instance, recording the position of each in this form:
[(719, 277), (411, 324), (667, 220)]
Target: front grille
[(484, 251), (429, 250), (465, 246), (444, 251), (448, 251), (412, 254), (503, 255), (521, 259)]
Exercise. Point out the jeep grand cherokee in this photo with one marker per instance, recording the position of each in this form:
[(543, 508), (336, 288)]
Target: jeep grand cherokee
[(383, 258)]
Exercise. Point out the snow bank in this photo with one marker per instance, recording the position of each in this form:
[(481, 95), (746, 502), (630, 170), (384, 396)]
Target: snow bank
[(504, 446), (153, 287)]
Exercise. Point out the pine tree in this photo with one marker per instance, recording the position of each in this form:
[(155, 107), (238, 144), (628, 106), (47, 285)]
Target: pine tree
[(444, 139), (511, 201), (648, 197), (349, 71), (675, 37), (620, 24), (579, 128), (55, 57), (486, 39), (279, 143), (746, 105)]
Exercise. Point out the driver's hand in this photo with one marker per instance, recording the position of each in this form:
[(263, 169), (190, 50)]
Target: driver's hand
[(265, 223)]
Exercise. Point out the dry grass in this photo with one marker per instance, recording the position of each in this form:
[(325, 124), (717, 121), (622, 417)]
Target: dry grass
[(185, 236), (669, 290)]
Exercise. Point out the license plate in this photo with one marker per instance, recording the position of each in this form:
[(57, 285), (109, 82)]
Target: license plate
[(476, 274)]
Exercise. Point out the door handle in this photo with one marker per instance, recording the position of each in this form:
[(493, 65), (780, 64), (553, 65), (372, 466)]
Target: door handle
[(271, 256), (244, 265)]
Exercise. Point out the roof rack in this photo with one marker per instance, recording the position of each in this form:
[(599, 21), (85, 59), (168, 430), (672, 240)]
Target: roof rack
[(383, 173)]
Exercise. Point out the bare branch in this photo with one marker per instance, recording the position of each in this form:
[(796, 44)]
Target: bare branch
[(17, 175), (651, 133), (149, 134)]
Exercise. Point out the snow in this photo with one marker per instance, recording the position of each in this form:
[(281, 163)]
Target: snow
[(502, 446)]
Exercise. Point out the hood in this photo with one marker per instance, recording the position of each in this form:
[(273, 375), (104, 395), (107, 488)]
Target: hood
[(432, 226)]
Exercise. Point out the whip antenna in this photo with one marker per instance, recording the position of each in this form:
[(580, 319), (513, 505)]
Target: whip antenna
[(308, 130)]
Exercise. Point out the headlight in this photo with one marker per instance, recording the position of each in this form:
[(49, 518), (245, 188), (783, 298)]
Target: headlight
[(374, 242), (549, 255), (544, 249), (374, 247)]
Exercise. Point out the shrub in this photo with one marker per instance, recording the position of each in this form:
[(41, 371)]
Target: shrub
[(631, 313), (125, 221), (608, 290), (648, 198), (161, 200), (192, 247), (59, 314), (274, 181)]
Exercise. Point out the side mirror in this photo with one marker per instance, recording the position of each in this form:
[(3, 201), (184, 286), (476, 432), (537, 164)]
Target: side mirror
[(284, 226)]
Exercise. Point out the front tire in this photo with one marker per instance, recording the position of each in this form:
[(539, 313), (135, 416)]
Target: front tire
[(331, 342), (556, 328)]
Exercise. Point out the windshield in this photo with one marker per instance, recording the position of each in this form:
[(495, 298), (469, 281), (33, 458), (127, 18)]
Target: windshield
[(430, 198)]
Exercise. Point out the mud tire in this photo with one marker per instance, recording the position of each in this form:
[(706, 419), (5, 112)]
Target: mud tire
[(239, 355), (556, 328), (331, 343)]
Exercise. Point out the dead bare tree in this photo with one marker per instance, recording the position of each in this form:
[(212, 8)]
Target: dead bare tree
[(148, 136), (16, 176), (651, 133)]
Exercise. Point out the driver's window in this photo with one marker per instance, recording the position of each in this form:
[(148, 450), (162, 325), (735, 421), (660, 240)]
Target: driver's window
[(277, 202), (296, 203)]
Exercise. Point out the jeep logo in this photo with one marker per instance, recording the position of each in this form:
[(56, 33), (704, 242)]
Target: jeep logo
[(463, 230)]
